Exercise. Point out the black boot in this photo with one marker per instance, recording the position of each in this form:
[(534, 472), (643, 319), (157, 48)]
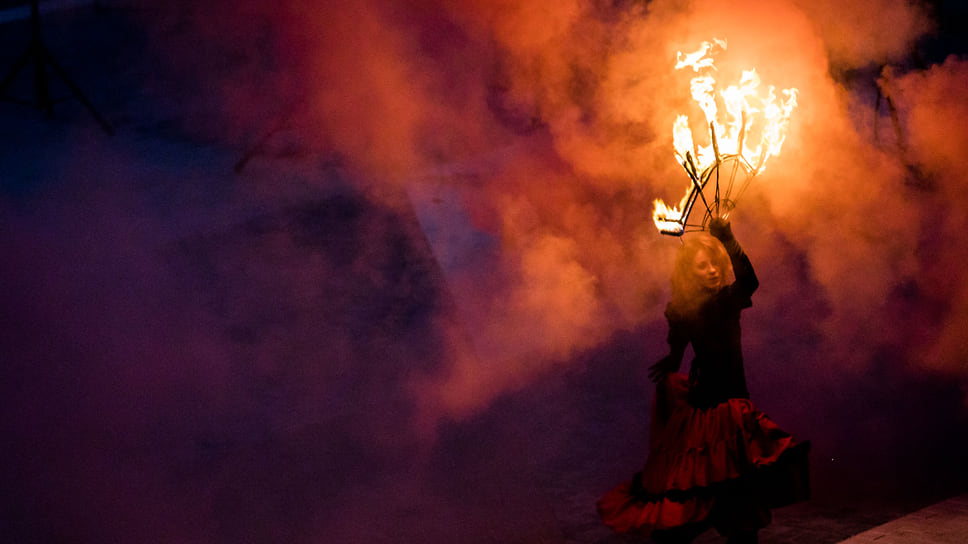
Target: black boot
[(743, 537), (679, 535)]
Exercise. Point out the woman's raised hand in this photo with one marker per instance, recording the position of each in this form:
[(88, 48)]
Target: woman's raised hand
[(720, 228)]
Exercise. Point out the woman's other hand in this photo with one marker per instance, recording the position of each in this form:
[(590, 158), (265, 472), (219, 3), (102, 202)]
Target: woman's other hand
[(667, 365)]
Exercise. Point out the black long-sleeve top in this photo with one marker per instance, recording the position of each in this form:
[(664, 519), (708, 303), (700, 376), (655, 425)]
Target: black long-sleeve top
[(717, 371)]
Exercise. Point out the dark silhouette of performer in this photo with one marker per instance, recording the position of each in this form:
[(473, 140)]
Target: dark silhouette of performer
[(714, 460)]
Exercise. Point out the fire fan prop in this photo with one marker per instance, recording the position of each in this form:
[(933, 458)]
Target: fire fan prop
[(721, 171)]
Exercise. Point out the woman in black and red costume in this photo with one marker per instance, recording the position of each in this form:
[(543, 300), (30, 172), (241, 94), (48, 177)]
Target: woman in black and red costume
[(714, 459)]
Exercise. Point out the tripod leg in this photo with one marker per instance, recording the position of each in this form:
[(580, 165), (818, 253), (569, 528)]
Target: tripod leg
[(76, 90), (17, 67), (41, 83)]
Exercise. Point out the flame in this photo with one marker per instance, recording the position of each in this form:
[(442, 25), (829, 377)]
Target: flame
[(753, 125), (668, 220)]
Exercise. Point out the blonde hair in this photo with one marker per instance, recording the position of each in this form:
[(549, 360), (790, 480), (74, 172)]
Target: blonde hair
[(687, 295)]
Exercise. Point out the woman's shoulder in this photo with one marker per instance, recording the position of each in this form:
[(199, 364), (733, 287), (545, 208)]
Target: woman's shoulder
[(674, 312), (683, 312), (734, 295)]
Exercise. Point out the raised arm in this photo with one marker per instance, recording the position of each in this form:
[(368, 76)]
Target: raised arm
[(746, 281)]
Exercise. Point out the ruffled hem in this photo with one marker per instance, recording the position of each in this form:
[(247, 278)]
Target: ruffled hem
[(701, 455), (701, 447), (624, 511)]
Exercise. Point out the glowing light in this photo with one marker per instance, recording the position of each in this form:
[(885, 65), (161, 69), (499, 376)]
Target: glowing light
[(666, 218), (746, 127)]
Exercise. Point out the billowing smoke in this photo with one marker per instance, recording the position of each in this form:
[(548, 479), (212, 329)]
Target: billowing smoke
[(878, 32), (930, 109), (549, 126)]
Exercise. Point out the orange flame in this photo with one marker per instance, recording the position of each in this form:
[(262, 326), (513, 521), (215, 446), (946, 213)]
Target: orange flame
[(753, 126), (667, 219)]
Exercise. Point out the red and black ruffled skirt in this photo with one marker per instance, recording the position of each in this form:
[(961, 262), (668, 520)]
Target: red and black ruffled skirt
[(724, 466)]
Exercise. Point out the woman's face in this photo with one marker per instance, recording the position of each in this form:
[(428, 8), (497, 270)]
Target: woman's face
[(708, 275)]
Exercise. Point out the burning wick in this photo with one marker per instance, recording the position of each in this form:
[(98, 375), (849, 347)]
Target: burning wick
[(728, 159)]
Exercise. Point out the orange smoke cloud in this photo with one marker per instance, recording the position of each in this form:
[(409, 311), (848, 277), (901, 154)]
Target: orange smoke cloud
[(552, 123), (934, 112), (880, 31), (608, 100)]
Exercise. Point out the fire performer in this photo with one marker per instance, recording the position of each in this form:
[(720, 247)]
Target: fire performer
[(714, 459)]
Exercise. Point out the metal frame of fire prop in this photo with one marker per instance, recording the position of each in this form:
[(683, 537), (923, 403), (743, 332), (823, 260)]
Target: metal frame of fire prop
[(731, 173), (723, 199)]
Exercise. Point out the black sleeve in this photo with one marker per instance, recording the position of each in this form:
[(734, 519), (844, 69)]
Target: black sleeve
[(677, 338), (746, 281)]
